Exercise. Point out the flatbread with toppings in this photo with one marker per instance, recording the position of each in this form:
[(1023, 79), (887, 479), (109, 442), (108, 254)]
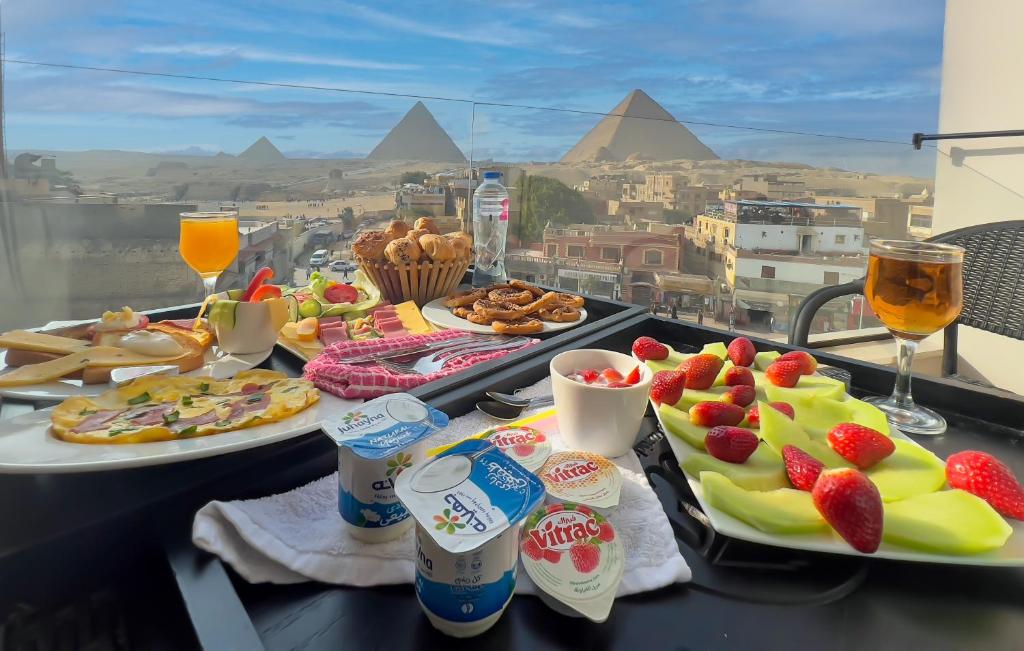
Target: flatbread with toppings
[(160, 408)]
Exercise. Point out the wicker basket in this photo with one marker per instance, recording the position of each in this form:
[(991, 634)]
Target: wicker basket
[(420, 282)]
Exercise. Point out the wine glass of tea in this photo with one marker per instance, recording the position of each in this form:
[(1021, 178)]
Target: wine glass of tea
[(208, 244), (915, 289)]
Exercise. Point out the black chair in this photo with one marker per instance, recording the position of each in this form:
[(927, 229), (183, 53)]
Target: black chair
[(993, 287)]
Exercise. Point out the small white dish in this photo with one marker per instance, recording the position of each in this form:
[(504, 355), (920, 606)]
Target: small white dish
[(436, 312), (593, 418)]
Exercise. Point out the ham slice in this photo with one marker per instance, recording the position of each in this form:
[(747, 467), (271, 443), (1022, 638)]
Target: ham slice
[(325, 321), (334, 326), (147, 416), (98, 420), (202, 419), (257, 402), (333, 336)]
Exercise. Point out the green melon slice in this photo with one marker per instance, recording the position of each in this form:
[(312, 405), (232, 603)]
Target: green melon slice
[(720, 378), (718, 349), (778, 431), (675, 358), (782, 511), (764, 358), (910, 470), (947, 522), (763, 471), (795, 394), (818, 415), (693, 396), (868, 415), (677, 422), (661, 365)]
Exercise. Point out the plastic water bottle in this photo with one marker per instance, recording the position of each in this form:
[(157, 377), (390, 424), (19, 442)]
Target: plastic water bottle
[(490, 227)]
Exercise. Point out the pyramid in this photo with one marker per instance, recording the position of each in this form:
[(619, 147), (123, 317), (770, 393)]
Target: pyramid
[(620, 135), (262, 151), (418, 136)]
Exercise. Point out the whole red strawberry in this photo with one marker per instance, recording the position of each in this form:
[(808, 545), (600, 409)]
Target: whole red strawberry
[(741, 395), (667, 387), (802, 468), (713, 414), (605, 532), (701, 370), (785, 373), (737, 375), (988, 478), (731, 444), (849, 502), (646, 348), (860, 445), (532, 549), (808, 364), (585, 556), (754, 415), (741, 351)]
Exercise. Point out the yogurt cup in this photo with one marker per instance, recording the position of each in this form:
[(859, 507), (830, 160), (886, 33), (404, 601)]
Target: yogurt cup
[(468, 502), (378, 442), (581, 477), (526, 445), (575, 559)]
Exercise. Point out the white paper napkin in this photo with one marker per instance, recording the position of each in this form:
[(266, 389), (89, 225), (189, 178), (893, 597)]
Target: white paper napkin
[(298, 536)]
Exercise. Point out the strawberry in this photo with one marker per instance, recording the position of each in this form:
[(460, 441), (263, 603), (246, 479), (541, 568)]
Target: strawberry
[(849, 502), (634, 376), (555, 508), (612, 375), (860, 445), (754, 415), (667, 387), (807, 362), (783, 374), (616, 385), (741, 395), (532, 549), (552, 555), (802, 468), (523, 449), (731, 444), (785, 408), (738, 375), (741, 351), (987, 477), (583, 508), (713, 414), (589, 375), (539, 438), (646, 348), (605, 532), (585, 556), (701, 370)]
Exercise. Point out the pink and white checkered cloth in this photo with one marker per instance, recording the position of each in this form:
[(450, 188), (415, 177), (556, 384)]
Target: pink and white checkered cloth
[(372, 380)]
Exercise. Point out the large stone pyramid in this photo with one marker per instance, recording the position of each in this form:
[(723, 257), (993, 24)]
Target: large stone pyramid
[(418, 136), (625, 133), (262, 151)]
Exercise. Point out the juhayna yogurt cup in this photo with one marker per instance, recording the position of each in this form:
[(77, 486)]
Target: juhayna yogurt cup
[(574, 558), (468, 502), (581, 477), (377, 442)]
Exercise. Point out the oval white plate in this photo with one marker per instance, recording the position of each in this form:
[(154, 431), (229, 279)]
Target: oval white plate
[(28, 446), (439, 315)]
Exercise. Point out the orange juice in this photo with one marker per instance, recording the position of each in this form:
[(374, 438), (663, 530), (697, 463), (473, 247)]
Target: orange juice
[(209, 245)]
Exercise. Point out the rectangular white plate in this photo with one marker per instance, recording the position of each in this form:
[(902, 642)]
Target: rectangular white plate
[(28, 446)]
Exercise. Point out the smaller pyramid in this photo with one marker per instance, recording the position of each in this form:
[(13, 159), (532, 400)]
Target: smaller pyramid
[(419, 137), (262, 151)]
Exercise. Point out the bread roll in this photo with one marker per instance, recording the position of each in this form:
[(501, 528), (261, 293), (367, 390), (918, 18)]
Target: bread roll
[(427, 224), (370, 245), (397, 229), (437, 248), (417, 233), (460, 235), (462, 248), (403, 251)]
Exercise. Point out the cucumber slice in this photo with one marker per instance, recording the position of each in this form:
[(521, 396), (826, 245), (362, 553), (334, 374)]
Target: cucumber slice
[(293, 308), (310, 307)]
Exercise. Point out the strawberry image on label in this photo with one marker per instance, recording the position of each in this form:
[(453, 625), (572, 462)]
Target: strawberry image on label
[(527, 446)]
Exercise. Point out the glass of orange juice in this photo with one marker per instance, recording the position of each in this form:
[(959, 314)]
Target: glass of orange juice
[(209, 243)]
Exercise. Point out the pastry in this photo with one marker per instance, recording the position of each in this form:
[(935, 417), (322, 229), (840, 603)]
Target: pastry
[(568, 300), (465, 298), (462, 312), (463, 249), (524, 326), (397, 229), (522, 284), (460, 235), (370, 245), (427, 224), (403, 251), (479, 319), (495, 310), (417, 233), (560, 314), (511, 295), (546, 301), (437, 248)]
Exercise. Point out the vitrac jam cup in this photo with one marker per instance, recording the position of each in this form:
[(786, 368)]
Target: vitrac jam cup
[(468, 503), (377, 443)]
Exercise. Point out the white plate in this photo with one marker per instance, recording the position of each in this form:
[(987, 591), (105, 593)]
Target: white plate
[(1011, 554), (61, 389), (28, 446), (439, 315)]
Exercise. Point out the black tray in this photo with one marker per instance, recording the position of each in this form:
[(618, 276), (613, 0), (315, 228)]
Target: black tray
[(743, 595)]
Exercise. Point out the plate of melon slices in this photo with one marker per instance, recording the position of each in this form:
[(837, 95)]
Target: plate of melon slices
[(924, 520)]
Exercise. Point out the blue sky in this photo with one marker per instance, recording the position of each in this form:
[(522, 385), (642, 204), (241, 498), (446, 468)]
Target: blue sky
[(847, 67)]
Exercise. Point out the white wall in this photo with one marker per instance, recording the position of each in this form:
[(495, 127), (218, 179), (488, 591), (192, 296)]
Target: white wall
[(982, 65), (786, 238), (796, 272)]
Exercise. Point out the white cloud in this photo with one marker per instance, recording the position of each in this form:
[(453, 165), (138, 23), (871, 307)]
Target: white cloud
[(488, 32), (269, 56)]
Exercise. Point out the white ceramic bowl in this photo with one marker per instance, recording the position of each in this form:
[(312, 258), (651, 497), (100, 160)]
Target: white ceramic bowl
[(255, 327), (598, 419)]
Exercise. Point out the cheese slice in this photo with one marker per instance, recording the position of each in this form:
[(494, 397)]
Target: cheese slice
[(41, 343), (97, 356), (412, 318)]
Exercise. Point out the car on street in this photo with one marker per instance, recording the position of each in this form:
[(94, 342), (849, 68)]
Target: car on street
[(342, 266)]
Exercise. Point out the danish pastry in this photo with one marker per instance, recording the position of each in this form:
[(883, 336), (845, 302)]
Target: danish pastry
[(560, 314), (511, 295), (427, 224), (403, 251), (524, 326), (479, 319), (522, 284), (462, 312), (496, 310), (546, 301), (437, 248), (370, 245), (460, 245), (568, 300), (397, 229), (465, 298)]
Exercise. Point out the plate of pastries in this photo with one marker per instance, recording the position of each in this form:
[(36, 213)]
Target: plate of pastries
[(513, 308)]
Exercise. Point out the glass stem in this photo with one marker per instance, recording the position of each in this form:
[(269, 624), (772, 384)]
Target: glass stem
[(210, 284), (904, 363)]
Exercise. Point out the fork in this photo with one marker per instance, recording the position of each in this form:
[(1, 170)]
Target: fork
[(433, 363), (417, 351)]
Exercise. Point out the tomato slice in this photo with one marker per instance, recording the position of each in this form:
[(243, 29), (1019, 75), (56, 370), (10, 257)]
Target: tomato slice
[(264, 292), (341, 293), (262, 276)]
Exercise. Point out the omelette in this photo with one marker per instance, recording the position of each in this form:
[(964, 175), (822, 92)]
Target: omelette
[(163, 408)]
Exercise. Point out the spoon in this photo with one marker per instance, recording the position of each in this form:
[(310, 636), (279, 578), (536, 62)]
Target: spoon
[(518, 401), (500, 410)]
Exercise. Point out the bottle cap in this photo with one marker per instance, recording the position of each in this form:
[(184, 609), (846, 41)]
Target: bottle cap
[(492, 175)]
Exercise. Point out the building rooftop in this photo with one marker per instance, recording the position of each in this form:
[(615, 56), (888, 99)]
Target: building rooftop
[(792, 204)]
